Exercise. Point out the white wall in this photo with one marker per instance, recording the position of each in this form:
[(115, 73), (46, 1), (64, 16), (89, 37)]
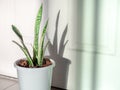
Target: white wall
[(95, 46), (93, 34)]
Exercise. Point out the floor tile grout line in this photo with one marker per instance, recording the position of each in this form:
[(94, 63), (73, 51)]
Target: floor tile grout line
[(9, 86), (9, 78)]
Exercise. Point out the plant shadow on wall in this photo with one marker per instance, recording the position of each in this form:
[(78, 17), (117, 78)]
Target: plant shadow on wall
[(60, 74)]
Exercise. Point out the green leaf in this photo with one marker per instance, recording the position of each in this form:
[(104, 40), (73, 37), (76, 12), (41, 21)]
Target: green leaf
[(26, 49), (40, 48), (36, 32), (26, 54), (17, 32), (35, 56)]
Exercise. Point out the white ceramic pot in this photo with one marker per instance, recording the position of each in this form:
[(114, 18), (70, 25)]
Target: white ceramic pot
[(35, 78)]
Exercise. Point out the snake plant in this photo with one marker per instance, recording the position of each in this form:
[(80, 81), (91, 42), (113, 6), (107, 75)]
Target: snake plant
[(38, 44)]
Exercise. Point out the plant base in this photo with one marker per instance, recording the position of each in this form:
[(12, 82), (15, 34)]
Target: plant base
[(35, 78)]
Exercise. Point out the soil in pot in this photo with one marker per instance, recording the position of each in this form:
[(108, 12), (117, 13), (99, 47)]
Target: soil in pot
[(24, 63)]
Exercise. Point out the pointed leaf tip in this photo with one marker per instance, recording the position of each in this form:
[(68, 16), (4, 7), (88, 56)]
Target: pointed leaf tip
[(17, 32)]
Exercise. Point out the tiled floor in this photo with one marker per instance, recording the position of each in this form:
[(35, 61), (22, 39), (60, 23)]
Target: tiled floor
[(8, 83)]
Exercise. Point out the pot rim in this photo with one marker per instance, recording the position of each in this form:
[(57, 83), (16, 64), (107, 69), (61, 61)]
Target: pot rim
[(19, 67)]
